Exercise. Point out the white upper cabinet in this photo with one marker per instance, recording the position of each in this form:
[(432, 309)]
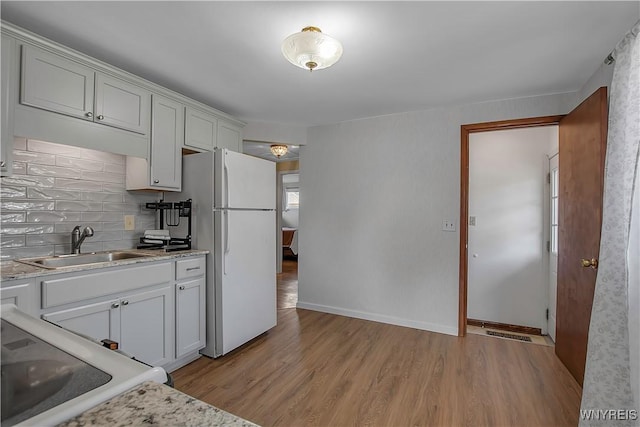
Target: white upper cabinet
[(121, 104), (167, 136), (163, 170), (200, 130), (57, 84), (229, 136), (53, 93)]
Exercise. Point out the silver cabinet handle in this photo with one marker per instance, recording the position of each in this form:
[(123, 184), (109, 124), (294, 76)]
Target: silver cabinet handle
[(155, 181), (193, 268), (181, 287), (2, 164), (125, 302), (100, 117), (115, 305), (89, 114)]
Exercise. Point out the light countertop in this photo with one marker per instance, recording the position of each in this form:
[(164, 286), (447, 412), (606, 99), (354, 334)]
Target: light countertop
[(11, 270), (155, 404)]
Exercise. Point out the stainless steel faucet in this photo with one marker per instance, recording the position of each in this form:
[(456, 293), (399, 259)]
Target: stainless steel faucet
[(77, 238)]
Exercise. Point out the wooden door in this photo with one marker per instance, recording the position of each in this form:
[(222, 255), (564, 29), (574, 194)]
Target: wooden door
[(582, 149)]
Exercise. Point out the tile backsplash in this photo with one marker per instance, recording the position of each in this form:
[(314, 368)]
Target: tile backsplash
[(55, 187)]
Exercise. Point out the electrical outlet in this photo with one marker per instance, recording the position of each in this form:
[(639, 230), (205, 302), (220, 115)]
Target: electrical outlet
[(129, 222), (448, 225)]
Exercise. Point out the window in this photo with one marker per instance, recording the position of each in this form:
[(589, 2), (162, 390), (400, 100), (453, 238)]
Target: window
[(292, 198)]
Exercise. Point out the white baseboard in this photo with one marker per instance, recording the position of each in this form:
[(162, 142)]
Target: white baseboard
[(391, 320)]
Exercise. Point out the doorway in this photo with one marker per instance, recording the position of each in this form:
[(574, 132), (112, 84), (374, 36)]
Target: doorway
[(288, 219), (466, 131), (508, 228)]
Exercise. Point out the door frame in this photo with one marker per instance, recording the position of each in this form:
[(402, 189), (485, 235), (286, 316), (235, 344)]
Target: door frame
[(465, 130)]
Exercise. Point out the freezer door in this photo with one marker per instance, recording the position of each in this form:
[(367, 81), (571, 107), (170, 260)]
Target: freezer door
[(245, 275), (244, 181)]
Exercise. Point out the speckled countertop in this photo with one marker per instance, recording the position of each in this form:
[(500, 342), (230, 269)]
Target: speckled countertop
[(10, 270), (155, 404)]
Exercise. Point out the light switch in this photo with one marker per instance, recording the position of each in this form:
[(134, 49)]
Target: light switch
[(448, 225), (472, 221)]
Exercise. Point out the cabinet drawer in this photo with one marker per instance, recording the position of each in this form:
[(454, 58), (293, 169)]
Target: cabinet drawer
[(91, 285), (190, 268)]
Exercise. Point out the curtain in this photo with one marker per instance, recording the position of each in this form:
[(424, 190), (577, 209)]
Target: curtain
[(609, 394)]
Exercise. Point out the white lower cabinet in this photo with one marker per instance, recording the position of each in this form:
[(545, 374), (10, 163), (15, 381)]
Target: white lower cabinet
[(155, 312), (146, 326), (190, 316), (99, 321), (21, 293)]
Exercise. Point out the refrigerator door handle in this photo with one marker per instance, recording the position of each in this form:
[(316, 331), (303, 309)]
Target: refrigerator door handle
[(226, 181), (226, 241)]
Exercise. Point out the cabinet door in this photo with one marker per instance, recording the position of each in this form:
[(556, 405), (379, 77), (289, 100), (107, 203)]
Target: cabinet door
[(98, 321), (200, 129), (146, 328), (229, 136), (6, 108), (21, 294), (56, 84), (122, 105), (190, 316), (167, 137)]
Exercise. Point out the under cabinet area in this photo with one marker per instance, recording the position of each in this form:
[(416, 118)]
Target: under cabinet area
[(57, 84), (155, 311)]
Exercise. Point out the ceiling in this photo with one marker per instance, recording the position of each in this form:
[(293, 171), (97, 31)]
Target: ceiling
[(398, 56), (263, 150)]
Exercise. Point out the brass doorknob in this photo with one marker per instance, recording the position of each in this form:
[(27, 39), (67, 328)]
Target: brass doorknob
[(593, 263)]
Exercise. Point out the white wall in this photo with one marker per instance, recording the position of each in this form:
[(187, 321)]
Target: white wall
[(374, 194), (508, 192), (601, 77)]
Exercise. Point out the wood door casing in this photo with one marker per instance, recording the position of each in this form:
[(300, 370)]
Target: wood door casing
[(582, 150), (465, 131)]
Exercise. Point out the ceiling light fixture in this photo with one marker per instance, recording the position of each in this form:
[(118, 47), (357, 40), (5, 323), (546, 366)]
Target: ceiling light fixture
[(279, 150), (311, 49)]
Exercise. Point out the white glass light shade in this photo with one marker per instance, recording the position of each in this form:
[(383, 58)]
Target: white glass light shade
[(311, 49)]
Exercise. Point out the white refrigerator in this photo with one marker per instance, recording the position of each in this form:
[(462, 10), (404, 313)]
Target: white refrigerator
[(233, 216)]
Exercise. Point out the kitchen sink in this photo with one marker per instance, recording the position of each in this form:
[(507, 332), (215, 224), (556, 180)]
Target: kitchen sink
[(74, 260)]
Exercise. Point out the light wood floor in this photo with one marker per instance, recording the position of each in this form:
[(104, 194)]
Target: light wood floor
[(317, 369)]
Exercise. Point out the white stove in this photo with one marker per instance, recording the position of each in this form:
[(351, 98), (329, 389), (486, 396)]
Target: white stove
[(50, 374)]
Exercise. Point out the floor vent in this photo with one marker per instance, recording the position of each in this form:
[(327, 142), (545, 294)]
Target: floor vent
[(510, 336)]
